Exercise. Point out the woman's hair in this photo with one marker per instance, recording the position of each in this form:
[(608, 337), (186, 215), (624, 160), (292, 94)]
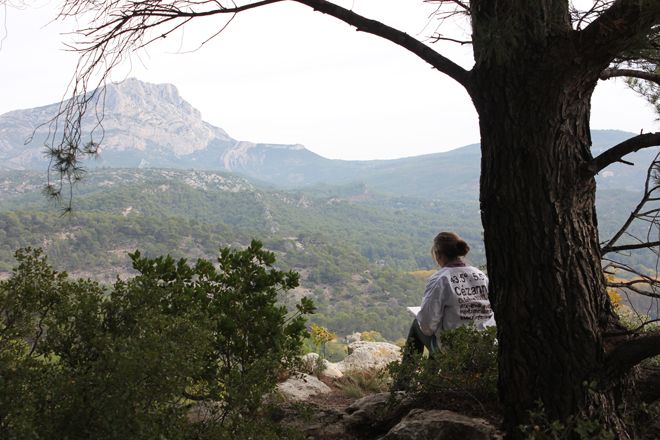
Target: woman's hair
[(450, 245)]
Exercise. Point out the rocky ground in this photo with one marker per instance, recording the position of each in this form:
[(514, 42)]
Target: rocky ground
[(331, 415)]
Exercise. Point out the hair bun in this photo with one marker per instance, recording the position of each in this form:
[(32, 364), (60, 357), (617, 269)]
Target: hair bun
[(462, 247)]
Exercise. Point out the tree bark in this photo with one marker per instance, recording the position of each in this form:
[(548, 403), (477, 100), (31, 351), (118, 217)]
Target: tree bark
[(540, 229)]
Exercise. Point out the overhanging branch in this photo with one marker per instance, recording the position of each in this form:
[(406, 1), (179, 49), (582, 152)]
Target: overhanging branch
[(397, 37), (629, 73), (615, 153), (119, 28)]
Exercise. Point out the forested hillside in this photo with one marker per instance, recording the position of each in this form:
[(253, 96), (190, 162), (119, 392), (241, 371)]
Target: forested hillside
[(351, 244), (391, 230)]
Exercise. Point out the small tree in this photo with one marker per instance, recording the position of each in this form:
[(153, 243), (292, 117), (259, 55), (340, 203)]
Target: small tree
[(321, 336)]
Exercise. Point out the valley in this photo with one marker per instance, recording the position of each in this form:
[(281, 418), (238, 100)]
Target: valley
[(166, 182)]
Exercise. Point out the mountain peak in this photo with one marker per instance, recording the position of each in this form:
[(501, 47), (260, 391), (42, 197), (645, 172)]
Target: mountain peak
[(135, 116), (140, 115)]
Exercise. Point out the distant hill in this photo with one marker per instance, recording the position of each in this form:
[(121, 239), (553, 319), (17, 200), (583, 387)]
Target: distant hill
[(386, 229), (151, 126)]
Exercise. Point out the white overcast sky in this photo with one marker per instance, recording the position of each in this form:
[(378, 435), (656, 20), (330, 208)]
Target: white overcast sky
[(286, 74)]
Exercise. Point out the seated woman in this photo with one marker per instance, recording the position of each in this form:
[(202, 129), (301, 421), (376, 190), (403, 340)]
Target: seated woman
[(456, 294)]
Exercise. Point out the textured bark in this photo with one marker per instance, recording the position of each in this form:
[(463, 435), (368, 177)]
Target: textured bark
[(648, 384), (540, 230)]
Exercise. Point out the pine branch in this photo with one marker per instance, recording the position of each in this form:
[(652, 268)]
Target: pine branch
[(613, 73), (615, 153)]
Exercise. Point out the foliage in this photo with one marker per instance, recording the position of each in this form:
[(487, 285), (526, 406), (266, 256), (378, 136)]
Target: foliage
[(372, 337), (123, 362), (379, 232), (321, 336), (640, 420), (422, 275), (467, 363), (109, 367), (540, 428)]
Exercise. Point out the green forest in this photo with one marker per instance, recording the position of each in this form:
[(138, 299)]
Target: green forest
[(353, 246)]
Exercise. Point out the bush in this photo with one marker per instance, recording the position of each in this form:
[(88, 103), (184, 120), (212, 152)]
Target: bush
[(466, 363), (124, 363)]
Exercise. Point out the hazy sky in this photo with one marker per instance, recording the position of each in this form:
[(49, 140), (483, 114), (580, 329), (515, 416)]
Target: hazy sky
[(285, 74)]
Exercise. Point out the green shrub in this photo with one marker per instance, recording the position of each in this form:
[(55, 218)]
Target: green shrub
[(466, 363), (125, 362)]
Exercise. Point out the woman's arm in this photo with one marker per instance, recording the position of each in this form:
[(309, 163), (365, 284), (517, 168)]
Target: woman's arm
[(430, 315)]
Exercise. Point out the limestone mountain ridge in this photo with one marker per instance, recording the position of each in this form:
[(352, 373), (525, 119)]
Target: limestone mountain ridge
[(146, 125)]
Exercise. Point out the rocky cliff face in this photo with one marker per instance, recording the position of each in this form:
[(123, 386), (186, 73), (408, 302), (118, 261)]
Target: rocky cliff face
[(136, 116), (140, 115), (146, 125)]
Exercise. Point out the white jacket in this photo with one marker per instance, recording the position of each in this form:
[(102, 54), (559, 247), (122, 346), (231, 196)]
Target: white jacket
[(455, 295)]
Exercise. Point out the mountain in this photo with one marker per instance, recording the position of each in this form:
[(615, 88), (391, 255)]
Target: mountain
[(151, 126)]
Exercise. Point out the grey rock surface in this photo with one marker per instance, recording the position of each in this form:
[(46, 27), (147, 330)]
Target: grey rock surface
[(135, 116), (331, 371), (365, 409), (369, 356), (323, 421), (301, 387), (440, 425)]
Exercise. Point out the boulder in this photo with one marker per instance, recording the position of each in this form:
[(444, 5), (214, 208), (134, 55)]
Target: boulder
[(302, 386), (322, 421), (440, 425), (310, 361), (364, 410), (369, 356)]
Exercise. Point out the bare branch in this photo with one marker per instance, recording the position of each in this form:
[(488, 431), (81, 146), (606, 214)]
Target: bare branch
[(630, 247), (641, 280), (582, 18), (397, 37), (648, 195), (438, 37), (615, 153), (612, 73)]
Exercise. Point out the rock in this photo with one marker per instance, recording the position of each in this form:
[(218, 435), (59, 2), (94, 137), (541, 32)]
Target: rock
[(301, 387), (369, 356), (364, 410), (440, 425), (310, 364), (323, 421), (331, 371)]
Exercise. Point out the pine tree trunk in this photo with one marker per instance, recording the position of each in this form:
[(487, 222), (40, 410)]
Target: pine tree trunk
[(538, 212)]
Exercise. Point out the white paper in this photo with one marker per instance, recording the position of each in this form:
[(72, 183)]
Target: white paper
[(414, 311)]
